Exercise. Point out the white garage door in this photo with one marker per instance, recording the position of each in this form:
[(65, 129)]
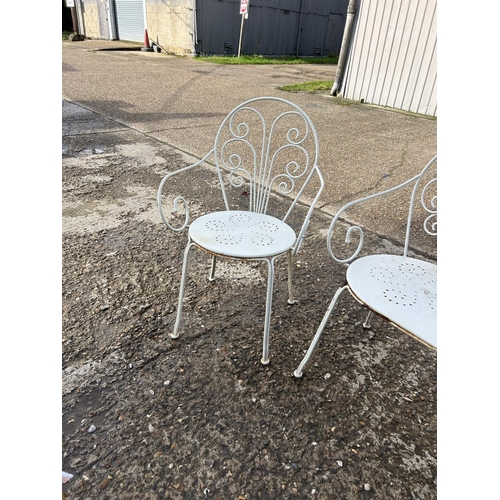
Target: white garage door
[(130, 20)]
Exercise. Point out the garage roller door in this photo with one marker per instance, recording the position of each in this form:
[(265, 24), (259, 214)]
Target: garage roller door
[(130, 20)]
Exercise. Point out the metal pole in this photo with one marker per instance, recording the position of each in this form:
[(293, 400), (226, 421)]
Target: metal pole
[(241, 34), (73, 18), (300, 27)]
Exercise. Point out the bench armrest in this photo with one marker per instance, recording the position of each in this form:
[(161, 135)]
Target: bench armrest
[(430, 224)]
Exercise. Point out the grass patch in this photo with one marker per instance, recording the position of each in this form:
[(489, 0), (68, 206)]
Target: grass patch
[(65, 34), (256, 59), (319, 85)]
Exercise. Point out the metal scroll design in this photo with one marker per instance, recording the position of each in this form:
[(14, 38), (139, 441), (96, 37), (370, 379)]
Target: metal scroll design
[(350, 232), (179, 202), (429, 203), (259, 167)]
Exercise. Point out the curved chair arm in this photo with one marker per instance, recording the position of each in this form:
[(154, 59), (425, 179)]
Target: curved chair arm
[(177, 199), (305, 224), (358, 229)]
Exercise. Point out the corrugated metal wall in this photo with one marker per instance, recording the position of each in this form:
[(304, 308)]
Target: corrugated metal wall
[(393, 55), (273, 27)]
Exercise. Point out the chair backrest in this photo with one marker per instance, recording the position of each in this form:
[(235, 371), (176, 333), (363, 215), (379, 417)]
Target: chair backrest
[(423, 188), (267, 145)]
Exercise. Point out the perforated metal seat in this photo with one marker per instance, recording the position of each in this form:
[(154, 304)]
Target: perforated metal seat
[(242, 235), (401, 289)]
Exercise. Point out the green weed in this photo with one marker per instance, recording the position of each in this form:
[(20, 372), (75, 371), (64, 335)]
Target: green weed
[(319, 85), (257, 59)]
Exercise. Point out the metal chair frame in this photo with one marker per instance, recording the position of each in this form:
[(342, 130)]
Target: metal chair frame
[(420, 276), (262, 169)]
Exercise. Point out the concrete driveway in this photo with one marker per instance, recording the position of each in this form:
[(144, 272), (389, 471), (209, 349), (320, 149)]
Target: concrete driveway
[(181, 101)]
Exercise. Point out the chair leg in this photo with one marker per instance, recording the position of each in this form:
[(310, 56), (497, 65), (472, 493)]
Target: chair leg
[(298, 371), (290, 283), (267, 319), (212, 269), (367, 323), (175, 333)]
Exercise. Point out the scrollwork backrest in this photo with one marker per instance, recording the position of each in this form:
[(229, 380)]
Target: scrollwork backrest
[(264, 145), (423, 191)]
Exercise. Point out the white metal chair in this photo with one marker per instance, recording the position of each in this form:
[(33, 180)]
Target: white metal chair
[(401, 289), (264, 148)]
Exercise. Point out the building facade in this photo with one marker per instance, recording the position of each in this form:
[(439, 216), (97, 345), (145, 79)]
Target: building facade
[(390, 45), (188, 27)]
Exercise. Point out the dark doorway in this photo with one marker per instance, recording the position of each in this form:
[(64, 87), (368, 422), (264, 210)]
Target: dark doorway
[(67, 21)]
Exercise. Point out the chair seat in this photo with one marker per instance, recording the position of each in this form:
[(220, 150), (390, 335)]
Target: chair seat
[(242, 235), (401, 289)]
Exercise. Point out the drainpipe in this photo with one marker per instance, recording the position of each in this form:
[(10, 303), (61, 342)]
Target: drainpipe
[(351, 11), (195, 29), (110, 9)]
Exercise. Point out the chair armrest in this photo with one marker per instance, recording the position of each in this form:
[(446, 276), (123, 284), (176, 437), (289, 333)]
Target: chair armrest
[(178, 200), (416, 179), (307, 220)]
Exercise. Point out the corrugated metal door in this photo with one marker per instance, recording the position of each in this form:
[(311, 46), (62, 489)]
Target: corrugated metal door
[(130, 20), (273, 27), (218, 26), (334, 33), (393, 56)]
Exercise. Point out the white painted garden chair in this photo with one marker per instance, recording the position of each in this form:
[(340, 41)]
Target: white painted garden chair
[(264, 148), (399, 288)]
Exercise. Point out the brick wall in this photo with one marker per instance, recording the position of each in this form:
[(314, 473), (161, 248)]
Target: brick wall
[(90, 15), (170, 24)]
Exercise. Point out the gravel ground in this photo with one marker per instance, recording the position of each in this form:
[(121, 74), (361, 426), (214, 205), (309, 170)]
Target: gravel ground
[(199, 417)]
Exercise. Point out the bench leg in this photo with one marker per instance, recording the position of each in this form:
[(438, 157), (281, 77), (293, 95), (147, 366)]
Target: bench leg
[(368, 319), (298, 371), (212, 269)]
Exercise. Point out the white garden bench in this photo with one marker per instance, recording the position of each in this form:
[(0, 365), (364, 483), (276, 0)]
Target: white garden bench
[(401, 289)]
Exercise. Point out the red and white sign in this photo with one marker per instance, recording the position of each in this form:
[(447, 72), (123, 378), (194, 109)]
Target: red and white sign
[(244, 7)]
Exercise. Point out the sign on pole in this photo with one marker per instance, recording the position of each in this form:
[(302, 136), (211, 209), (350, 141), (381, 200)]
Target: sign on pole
[(244, 15)]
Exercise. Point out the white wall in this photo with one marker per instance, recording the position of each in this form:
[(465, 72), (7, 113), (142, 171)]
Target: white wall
[(393, 55)]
